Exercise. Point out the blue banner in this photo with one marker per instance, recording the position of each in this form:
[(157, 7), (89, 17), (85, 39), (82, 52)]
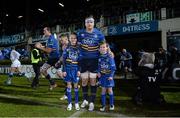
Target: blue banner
[(12, 39), (120, 29)]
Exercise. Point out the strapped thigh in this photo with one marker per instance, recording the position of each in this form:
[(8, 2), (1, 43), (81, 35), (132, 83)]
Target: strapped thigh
[(85, 75), (44, 67)]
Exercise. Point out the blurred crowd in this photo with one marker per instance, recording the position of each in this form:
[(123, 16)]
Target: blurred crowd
[(5, 53)]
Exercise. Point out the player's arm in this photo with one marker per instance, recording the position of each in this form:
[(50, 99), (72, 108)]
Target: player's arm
[(64, 59), (43, 48), (113, 66), (46, 49)]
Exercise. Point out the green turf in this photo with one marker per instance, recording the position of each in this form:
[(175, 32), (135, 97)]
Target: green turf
[(23, 101)]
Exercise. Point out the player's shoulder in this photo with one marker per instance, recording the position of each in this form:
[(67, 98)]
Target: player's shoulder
[(97, 31), (14, 51), (81, 31), (51, 37)]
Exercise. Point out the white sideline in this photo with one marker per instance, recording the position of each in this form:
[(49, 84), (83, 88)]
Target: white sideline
[(74, 115), (78, 113)]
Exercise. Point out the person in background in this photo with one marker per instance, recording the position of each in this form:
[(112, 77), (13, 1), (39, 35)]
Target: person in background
[(126, 60), (148, 89), (1, 55), (52, 49), (63, 39), (15, 66), (172, 63), (36, 60)]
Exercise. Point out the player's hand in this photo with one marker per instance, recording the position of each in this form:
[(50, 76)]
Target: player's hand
[(38, 45), (78, 73), (64, 74), (99, 75), (110, 78), (57, 64)]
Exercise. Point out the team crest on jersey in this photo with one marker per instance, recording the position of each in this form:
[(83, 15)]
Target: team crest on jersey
[(82, 35), (73, 55), (95, 36), (104, 65), (88, 41)]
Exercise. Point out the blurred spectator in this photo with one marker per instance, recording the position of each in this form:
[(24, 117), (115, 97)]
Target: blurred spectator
[(126, 61), (6, 53), (160, 59), (140, 53), (1, 55), (15, 66), (24, 53), (148, 89), (173, 62), (174, 55)]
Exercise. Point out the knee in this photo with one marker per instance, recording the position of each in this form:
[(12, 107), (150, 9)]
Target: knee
[(69, 86), (110, 91), (84, 78), (84, 81), (43, 71), (59, 73), (92, 81), (93, 77)]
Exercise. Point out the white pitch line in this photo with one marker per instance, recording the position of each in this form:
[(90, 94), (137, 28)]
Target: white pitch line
[(74, 115), (78, 113)]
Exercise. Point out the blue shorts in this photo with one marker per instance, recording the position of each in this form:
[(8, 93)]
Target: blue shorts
[(71, 75), (90, 65), (104, 82), (52, 61)]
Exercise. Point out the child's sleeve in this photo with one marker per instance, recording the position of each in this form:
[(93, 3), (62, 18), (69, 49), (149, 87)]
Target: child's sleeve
[(64, 56), (113, 66), (99, 65), (79, 60)]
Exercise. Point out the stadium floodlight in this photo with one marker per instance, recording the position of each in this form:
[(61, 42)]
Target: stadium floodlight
[(20, 17), (40, 10), (61, 4)]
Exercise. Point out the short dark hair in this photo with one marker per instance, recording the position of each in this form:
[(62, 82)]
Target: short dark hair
[(48, 29), (73, 33), (63, 35), (90, 16)]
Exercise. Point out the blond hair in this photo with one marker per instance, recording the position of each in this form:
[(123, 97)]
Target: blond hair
[(147, 58), (108, 49)]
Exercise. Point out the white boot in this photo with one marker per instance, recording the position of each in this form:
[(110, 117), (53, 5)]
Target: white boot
[(69, 108), (84, 104)]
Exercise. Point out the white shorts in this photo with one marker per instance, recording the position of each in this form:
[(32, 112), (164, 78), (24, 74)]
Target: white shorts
[(87, 75), (16, 63), (60, 69)]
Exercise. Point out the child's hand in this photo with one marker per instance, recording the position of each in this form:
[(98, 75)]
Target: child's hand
[(64, 74), (57, 64), (99, 75), (110, 78), (78, 73), (60, 74)]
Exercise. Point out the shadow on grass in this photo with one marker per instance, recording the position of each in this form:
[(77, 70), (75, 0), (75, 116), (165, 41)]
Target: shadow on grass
[(18, 101), (129, 108), (39, 92), (170, 89)]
